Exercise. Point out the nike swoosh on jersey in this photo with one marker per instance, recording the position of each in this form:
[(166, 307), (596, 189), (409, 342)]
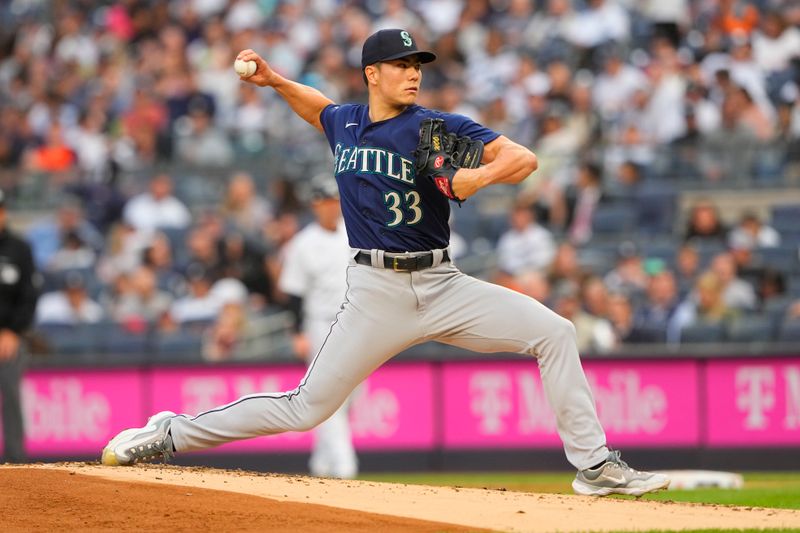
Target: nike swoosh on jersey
[(351, 124)]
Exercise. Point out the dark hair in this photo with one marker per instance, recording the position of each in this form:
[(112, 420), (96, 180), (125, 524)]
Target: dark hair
[(593, 169), (774, 277), (750, 216)]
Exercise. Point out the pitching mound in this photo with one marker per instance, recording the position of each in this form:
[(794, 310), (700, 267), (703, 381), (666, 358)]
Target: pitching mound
[(169, 498)]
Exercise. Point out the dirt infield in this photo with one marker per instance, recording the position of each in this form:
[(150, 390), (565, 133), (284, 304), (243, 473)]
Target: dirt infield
[(159, 498), (52, 500)]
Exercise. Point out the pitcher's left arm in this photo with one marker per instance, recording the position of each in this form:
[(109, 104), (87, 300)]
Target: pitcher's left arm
[(504, 161)]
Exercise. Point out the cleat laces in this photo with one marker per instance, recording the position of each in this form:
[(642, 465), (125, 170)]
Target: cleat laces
[(153, 451)]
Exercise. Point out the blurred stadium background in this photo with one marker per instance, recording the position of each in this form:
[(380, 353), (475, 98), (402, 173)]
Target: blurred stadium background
[(157, 192)]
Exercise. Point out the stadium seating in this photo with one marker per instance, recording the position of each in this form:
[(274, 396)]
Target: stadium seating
[(613, 220), (790, 331), (118, 339), (786, 217), (703, 333), (67, 339), (749, 329), (181, 345)]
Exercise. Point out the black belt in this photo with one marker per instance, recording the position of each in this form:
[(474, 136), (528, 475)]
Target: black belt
[(402, 263)]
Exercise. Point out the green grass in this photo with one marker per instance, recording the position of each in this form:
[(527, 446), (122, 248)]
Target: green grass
[(779, 490)]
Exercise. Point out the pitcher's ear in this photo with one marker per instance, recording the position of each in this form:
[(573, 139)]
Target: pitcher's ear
[(371, 74)]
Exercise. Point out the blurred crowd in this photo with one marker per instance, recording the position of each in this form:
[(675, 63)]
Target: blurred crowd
[(620, 99), (713, 284)]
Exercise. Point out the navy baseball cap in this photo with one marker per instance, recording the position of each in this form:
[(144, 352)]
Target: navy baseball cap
[(386, 45)]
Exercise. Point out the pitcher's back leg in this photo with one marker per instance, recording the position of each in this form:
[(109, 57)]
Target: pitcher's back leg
[(484, 317)]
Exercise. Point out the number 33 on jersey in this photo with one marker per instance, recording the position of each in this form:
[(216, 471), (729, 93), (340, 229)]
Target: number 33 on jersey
[(384, 204)]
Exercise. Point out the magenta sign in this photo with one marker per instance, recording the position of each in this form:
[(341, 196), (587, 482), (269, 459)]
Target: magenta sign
[(451, 405), (77, 412), (503, 404), (394, 409), (647, 403), (386, 412), (753, 402)]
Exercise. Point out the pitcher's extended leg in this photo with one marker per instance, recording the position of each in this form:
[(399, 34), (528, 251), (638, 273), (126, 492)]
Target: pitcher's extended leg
[(366, 334), (491, 318)]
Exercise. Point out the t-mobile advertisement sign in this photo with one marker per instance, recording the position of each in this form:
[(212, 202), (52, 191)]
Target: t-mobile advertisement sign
[(753, 402), (423, 406), (78, 411), (505, 405)]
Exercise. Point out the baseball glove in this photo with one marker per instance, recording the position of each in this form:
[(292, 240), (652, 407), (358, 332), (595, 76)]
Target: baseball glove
[(439, 155)]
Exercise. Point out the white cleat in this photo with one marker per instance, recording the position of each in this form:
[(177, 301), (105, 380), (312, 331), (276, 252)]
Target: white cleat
[(614, 476), (146, 444)]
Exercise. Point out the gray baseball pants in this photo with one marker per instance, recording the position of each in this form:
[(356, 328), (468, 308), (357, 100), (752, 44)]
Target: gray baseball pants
[(386, 312)]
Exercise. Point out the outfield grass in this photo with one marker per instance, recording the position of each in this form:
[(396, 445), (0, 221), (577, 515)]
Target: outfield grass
[(779, 490)]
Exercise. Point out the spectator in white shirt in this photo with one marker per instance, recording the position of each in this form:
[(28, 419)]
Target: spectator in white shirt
[(550, 25), (202, 143), (199, 304), (491, 69), (91, 145), (249, 118), (736, 292), (157, 208), (73, 254), (526, 245), (71, 305), (396, 15), (776, 43), (616, 85), (243, 15), (206, 298), (144, 302), (752, 233), (602, 21)]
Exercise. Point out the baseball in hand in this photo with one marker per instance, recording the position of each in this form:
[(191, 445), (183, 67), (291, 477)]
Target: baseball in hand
[(244, 68)]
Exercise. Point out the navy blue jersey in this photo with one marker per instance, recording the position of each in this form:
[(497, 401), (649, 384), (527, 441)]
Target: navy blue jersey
[(385, 206)]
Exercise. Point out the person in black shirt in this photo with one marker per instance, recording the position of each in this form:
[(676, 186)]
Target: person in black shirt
[(18, 297)]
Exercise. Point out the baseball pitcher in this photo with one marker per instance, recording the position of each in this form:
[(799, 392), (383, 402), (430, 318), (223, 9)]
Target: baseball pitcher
[(398, 166)]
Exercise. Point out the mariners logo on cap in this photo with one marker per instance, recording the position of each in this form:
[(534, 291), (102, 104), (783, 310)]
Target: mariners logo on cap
[(389, 44)]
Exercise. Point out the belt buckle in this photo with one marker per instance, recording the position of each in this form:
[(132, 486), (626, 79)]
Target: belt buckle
[(396, 264)]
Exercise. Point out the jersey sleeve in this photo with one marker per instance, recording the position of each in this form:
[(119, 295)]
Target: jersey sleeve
[(462, 125), (327, 118)]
